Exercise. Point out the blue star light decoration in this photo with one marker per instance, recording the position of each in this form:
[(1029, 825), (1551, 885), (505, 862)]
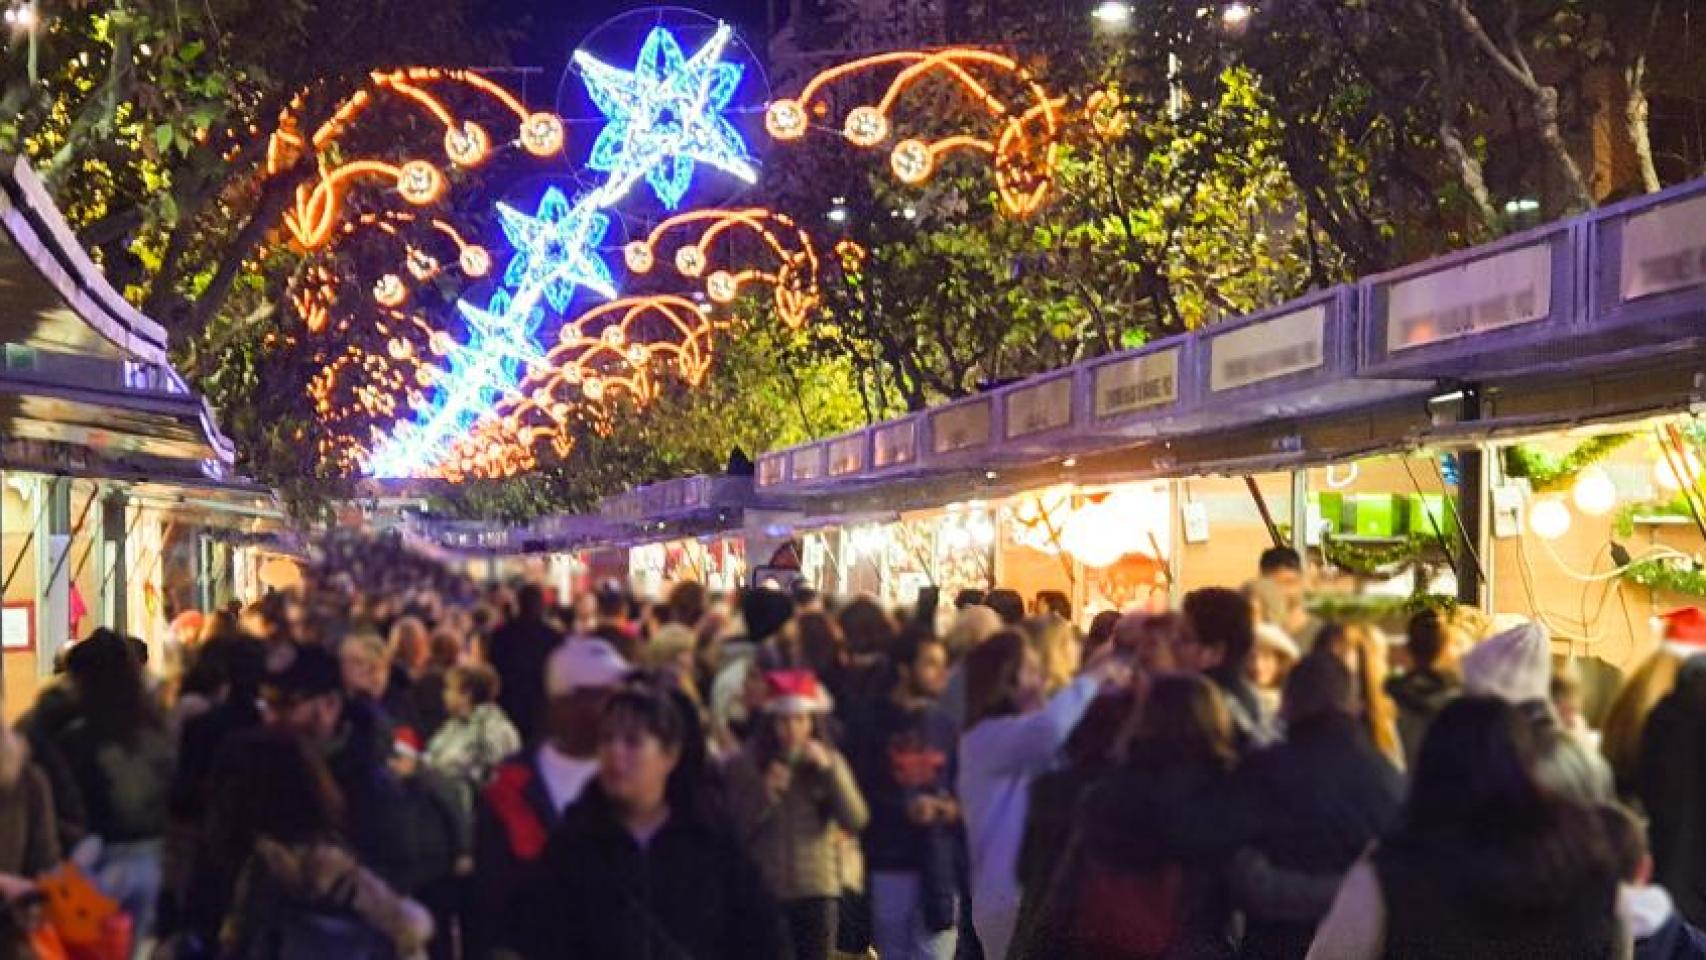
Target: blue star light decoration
[(666, 116), (556, 249)]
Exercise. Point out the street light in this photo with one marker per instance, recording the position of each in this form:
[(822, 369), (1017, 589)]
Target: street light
[(1235, 15), (1113, 13)]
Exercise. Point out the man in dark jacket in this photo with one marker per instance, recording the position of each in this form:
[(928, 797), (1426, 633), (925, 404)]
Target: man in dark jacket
[(518, 650), (1218, 645), (303, 693), (526, 797), (1314, 801), (902, 751)]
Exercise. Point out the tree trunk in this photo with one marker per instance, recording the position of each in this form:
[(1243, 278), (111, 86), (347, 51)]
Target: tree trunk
[(1470, 171), (1636, 111)]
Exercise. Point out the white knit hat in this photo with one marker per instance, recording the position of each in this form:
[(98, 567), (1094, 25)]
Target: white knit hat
[(1515, 666), (583, 662)]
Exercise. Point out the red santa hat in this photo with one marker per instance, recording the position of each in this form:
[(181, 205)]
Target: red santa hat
[(406, 743), (1685, 631), (794, 692)]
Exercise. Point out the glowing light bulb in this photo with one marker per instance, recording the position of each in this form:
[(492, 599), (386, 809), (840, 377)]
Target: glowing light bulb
[(475, 261), (690, 260), (1594, 493), (614, 337), (422, 265), (593, 388), (420, 183), (866, 126), (639, 354), (467, 145), (542, 134), (400, 349), (639, 257), (1549, 517), (1113, 13), (1235, 14), (786, 120), (722, 287), (389, 290), (912, 162)]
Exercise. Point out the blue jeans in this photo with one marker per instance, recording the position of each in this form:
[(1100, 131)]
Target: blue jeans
[(897, 921), (130, 874)]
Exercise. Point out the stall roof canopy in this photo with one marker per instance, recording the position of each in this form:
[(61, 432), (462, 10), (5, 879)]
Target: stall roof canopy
[(82, 367)]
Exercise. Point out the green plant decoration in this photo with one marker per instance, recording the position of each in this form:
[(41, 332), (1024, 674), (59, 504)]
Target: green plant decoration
[(1546, 472), (1669, 575)]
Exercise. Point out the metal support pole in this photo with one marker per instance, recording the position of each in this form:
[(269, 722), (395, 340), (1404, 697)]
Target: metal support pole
[(1300, 512), (53, 582), (1472, 481), (115, 580)]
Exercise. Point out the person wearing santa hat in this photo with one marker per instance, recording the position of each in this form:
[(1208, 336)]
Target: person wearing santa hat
[(1670, 777), (790, 791)]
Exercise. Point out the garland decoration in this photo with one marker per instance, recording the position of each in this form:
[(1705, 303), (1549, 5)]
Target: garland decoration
[(1340, 609), (1546, 472), (1669, 575), (1382, 561)]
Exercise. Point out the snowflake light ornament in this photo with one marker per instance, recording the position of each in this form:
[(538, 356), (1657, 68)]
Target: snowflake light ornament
[(556, 250), (665, 117)]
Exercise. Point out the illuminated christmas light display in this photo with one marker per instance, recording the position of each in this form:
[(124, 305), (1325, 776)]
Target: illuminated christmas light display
[(665, 116), (1022, 142), (794, 279)]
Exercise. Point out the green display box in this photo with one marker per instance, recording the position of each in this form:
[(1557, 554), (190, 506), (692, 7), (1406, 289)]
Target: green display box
[(1330, 507), (1418, 507), (1372, 515)]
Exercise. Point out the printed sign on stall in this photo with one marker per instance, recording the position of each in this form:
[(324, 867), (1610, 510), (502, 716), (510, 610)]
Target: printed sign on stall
[(895, 444), (1289, 343), (1664, 249), (960, 427), (772, 469), (1504, 290), (847, 455), (1127, 386), (1040, 408), (808, 463)]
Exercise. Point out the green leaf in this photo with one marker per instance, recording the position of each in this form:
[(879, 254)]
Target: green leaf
[(163, 135)]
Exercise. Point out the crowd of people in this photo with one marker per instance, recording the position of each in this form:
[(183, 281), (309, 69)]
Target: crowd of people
[(393, 761)]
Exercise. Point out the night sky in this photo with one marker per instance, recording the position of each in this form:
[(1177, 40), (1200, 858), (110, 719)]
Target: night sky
[(549, 28)]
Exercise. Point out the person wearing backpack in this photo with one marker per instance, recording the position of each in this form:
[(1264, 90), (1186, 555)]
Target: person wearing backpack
[(281, 885), (1146, 876)]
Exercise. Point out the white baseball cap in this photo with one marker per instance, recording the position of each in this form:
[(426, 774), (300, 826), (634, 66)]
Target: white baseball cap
[(580, 663)]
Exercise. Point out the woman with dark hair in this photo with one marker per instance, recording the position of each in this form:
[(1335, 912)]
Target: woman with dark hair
[(274, 880), (1146, 876), (1011, 736), (1485, 862), (792, 794), (637, 868)]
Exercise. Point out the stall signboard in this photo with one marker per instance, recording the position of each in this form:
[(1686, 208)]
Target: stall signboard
[(1646, 289), (1664, 249), (808, 463), (1290, 343), (1039, 408), (1477, 296), (963, 426), (1137, 384), (847, 455), (772, 470), (894, 444)]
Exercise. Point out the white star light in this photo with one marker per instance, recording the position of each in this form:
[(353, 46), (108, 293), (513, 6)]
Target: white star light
[(665, 116), (556, 250)]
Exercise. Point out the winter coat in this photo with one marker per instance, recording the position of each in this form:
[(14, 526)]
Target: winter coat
[(518, 651), (1049, 825), (1564, 764), (1419, 695), (793, 837), (1149, 866), (124, 787), (293, 902), (1457, 900), (900, 752), (1252, 725), (1315, 801), (29, 840), (372, 796), (1671, 782), (690, 893), (470, 748), (998, 760), (513, 821)]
